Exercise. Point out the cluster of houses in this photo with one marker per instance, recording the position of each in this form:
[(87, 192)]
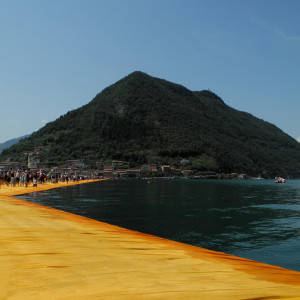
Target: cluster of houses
[(105, 169), (116, 170)]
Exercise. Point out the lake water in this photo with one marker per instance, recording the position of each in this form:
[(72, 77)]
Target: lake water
[(255, 219)]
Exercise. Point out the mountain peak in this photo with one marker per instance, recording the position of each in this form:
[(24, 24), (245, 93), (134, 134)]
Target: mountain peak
[(208, 94), (143, 119), (137, 75)]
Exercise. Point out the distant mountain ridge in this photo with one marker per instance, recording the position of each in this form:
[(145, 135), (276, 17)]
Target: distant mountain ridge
[(11, 142), (142, 119)]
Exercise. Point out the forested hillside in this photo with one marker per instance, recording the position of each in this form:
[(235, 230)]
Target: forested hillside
[(142, 119)]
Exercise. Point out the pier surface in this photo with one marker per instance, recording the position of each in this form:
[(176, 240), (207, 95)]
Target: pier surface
[(49, 254)]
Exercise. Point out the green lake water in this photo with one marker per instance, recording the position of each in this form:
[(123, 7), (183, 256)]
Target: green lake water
[(255, 219)]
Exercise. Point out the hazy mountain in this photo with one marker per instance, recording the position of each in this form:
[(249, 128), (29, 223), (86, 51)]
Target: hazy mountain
[(11, 142), (142, 119)]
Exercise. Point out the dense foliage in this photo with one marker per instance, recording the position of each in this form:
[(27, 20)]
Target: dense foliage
[(142, 119)]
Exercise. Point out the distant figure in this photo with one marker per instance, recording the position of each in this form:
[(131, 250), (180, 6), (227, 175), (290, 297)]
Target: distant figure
[(13, 179), (22, 179), (26, 179), (17, 180), (34, 182), (7, 178)]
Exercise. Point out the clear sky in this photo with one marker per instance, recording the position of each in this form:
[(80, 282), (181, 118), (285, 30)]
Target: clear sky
[(56, 55)]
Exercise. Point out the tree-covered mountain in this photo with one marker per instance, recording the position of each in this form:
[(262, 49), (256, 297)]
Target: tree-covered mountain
[(143, 119)]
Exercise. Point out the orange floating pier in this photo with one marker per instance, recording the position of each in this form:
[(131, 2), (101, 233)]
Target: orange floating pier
[(49, 254)]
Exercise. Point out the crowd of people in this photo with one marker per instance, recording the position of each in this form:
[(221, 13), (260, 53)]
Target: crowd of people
[(26, 178)]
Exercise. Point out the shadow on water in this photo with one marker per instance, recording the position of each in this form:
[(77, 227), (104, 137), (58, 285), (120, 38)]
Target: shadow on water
[(258, 220)]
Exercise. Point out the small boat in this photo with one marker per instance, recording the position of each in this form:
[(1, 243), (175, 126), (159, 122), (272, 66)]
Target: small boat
[(279, 180)]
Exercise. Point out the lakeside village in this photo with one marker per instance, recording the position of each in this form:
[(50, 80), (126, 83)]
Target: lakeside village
[(78, 169)]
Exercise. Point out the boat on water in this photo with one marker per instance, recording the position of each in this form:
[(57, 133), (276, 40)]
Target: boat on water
[(279, 180)]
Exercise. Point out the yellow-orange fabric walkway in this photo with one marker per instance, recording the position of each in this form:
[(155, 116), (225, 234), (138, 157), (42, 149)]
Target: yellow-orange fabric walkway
[(49, 254)]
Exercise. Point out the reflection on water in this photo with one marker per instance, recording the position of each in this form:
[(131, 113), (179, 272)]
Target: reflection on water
[(258, 220)]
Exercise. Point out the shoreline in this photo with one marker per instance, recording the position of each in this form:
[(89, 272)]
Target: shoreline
[(47, 253), (20, 190)]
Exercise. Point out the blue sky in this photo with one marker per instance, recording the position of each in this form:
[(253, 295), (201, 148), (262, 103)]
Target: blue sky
[(56, 55)]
